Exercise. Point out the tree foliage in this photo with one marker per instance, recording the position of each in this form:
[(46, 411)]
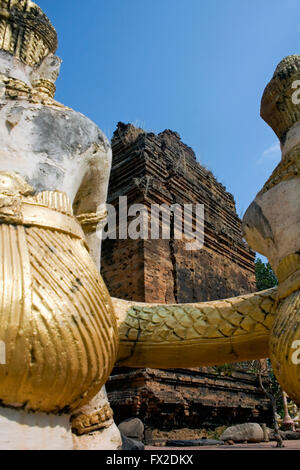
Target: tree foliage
[(265, 277), (271, 388)]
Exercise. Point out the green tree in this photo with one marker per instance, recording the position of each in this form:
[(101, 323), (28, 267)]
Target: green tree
[(265, 277), (271, 389)]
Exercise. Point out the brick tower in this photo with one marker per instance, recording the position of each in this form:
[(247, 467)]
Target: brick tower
[(160, 169)]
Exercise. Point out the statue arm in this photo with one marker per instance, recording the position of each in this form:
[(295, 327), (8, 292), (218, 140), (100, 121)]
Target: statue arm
[(195, 335), (90, 202)]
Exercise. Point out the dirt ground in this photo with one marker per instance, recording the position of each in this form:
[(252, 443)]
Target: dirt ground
[(289, 445), (187, 434)]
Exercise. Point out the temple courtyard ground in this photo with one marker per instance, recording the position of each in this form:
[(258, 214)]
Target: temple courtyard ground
[(288, 445)]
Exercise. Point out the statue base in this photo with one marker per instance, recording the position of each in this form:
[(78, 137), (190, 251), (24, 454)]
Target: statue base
[(104, 439), (21, 430)]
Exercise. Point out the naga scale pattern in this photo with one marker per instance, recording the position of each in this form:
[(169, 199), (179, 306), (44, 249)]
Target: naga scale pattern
[(220, 331)]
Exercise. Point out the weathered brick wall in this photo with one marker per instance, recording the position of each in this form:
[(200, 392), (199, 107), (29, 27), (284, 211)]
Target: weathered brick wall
[(124, 269), (151, 169), (174, 399)]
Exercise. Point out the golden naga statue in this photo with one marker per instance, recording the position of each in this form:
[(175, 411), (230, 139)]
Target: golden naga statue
[(61, 330)]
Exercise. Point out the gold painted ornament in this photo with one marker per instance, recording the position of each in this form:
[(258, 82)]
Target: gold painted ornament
[(56, 317), (25, 31)]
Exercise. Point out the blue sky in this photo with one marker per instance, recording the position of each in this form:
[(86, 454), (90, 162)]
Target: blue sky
[(198, 67)]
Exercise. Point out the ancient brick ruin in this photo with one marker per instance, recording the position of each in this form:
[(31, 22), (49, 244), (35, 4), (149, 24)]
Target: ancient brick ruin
[(187, 398), (161, 169)]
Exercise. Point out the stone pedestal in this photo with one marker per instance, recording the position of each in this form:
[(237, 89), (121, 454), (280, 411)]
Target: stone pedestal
[(20, 430)]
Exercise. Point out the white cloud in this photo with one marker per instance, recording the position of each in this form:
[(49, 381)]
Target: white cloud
[(273, 153)]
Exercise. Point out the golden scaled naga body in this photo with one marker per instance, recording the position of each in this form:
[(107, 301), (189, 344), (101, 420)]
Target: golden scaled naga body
[(56, 317)]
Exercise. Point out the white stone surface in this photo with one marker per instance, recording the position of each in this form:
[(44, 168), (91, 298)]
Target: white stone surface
[(275, 233), (48, 69), (55, 148), (292, 139), (95, 404), (12, 67), (20, 430)]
